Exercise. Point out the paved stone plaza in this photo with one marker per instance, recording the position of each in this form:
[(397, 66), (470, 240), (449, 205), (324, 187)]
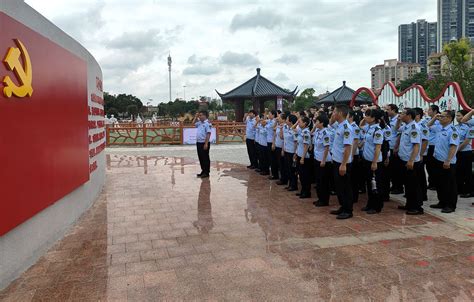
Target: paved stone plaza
[(159, 233)]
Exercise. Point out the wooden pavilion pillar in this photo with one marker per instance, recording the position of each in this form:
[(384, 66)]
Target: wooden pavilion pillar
[(262, 106), (239, 110), (256, 106)]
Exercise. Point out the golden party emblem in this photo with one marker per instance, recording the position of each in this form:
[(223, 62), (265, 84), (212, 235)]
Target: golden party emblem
[(22, 70)]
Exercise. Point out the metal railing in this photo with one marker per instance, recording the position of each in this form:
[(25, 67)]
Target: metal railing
[(169, 133)]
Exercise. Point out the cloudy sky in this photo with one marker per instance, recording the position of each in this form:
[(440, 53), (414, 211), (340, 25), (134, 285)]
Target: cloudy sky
[(218, 44)]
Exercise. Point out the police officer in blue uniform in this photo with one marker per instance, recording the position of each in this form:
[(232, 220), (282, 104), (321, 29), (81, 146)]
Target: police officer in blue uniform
[(271, 154), (263, 160), (434, 127), (250, 130), (356, 173), (203, 143), (257, 143), (342, 158), (289, 146), (464, 156), (302, 157), (372, 159), (447, 143), (408, 148), (425, 131), (278, 148), (395, 166), (385, 172), (469, 120), (322, 159)]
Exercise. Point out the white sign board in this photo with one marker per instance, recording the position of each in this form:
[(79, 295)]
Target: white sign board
[(222, 118), (189, 136)]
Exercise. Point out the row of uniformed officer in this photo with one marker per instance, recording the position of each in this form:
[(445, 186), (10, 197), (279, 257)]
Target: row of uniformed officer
[(332, 149)]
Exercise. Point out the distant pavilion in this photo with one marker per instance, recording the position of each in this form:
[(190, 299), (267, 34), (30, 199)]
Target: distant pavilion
[(343, 95), (258, 90)]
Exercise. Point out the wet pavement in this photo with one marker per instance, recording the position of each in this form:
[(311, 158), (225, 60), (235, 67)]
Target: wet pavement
[(159, 233)]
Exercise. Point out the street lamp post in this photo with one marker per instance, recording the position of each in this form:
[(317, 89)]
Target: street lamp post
[(169, 71)]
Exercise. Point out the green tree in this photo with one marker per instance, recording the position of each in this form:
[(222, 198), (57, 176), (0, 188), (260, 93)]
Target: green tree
[(458, 54), (419, 78), (132, 110), (113, 111), (457, 69), (121, 102), (305, 100)]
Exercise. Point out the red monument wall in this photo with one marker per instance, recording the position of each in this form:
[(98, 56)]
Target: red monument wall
[(44, 131)]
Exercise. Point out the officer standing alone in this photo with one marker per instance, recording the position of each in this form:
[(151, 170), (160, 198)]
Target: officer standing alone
[(203, 143)]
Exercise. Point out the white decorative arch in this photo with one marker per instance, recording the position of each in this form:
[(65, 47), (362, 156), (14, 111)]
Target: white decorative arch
[(451, 97)]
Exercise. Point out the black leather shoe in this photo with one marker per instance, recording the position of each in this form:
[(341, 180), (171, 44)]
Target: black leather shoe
[(432, 188), (273, 178), (396, 192), (250, 167), (265, 173), (436, 206), (336, 212), (402, 207), (281, 183), (304, 196), (365, 209), (292, 189), (372, 211), (447, 210), (414, 212), (199, 175), (204, 175), (258, 170), (344, 216), (320, 204), (465, 195)]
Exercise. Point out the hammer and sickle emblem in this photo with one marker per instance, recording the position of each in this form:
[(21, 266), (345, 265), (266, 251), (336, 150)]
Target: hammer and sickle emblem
[(23, 74)]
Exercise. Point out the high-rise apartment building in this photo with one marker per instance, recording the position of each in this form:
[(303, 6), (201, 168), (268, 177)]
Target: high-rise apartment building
[(455, 21), (416, 41)]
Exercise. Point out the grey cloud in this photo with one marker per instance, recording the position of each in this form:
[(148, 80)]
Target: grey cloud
[(122, 61), (137, 40), (293, 37), (81, 24), (201, 66), (239, 59), (201, 70), (281, 77), (262, 18), (288, 59)]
